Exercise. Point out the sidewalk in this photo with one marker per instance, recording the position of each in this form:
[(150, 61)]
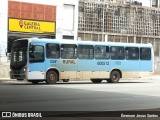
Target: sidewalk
[(6, 79)]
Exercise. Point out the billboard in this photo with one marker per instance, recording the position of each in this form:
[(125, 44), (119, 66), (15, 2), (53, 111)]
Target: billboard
[(31, 26)]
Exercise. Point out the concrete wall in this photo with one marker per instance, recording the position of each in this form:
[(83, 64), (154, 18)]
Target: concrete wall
[(4, 68), (157, 65)]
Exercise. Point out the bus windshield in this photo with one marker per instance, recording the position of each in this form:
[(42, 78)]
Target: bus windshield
[(19, 54)]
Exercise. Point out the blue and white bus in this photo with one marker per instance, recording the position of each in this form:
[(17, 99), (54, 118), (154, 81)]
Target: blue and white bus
[(49, 60)]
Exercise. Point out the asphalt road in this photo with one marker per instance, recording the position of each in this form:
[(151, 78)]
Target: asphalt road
[(131, 94)]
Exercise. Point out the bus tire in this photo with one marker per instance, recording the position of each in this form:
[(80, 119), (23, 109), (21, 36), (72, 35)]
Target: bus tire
[(65, 80), (96, 80), (114, 77), (52, 77)]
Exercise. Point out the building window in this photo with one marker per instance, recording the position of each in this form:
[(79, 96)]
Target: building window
[(68, 37)]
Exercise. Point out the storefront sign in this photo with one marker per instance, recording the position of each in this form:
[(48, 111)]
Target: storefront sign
[(31, 26)]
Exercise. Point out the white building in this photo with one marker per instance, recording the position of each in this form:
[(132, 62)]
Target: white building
[(3, 26)]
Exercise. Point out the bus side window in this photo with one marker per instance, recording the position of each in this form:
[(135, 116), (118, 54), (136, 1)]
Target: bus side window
[(117, 53), (132, 53), (36, 53), (52, 50), (102, 52), (145, 53), (85, 52), (68, 51)]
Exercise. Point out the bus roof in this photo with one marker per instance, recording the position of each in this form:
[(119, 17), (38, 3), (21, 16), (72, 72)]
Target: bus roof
[(46, 40)]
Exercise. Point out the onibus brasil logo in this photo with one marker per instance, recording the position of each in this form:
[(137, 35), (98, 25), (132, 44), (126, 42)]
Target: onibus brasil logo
[(20, 114)]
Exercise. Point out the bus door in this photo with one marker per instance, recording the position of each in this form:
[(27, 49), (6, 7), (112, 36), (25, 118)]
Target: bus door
[(36, 61), (68, 67), (86, 62)]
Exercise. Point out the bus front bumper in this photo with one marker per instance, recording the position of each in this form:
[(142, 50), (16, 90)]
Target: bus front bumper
[(20, 76)]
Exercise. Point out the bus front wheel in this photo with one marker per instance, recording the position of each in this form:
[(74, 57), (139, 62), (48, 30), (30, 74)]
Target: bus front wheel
[(52, 77), (114, 77)]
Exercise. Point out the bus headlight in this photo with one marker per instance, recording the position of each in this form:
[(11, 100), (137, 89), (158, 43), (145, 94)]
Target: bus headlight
[(24, 69)]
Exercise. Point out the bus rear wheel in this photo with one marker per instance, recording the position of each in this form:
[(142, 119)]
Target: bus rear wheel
[(52, 77), (114, 77), (96, 80)]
